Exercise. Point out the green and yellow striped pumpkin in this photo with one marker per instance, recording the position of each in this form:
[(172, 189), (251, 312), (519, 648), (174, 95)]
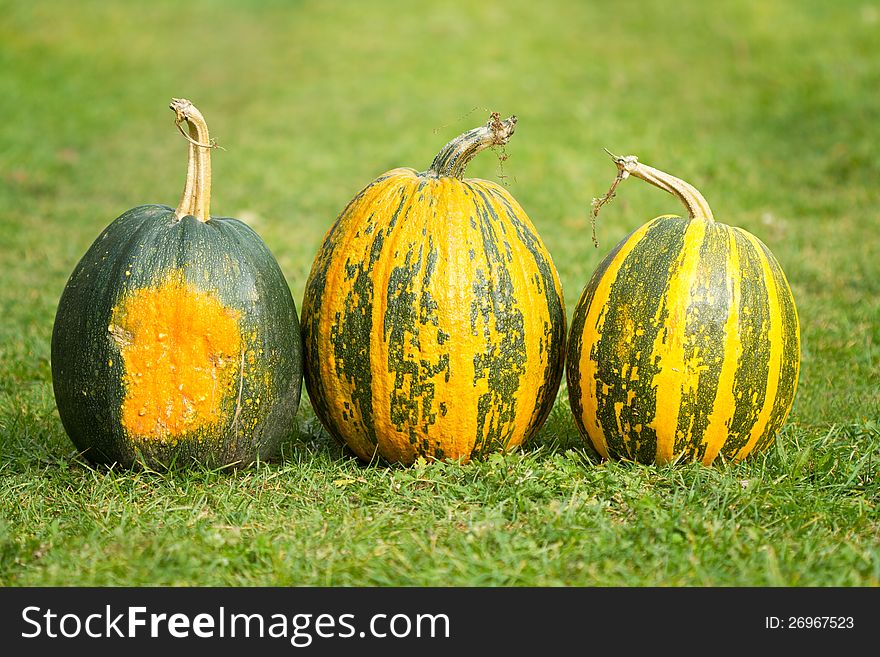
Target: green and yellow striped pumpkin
[(433, 317), (685, 343)]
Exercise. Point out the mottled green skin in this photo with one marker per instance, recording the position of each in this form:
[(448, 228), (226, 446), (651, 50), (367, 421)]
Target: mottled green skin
[(223, 256), (408, 276)]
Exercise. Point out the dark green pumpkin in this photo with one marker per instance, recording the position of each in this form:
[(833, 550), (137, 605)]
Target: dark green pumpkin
[(176, 339)]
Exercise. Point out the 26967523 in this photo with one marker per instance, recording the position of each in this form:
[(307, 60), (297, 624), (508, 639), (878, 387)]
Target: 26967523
[(809, 622)]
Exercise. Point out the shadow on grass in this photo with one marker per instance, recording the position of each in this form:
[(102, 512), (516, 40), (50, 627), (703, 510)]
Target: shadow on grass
[(34, 439), (558, 435)]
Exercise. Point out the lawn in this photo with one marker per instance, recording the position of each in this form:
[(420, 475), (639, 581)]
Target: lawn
[(769, 108)]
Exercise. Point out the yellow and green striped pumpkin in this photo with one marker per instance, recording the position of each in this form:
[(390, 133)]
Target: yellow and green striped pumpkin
[(685, 343), (433, 318)]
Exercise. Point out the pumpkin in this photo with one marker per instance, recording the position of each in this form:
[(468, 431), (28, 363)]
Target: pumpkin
[(685, 343), (176, 338), (433, 318)]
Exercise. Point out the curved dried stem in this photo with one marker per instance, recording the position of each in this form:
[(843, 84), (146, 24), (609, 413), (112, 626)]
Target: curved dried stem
[(196, 198), (453, 158)]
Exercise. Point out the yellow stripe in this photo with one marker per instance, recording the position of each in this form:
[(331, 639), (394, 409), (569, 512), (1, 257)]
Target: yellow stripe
[(454, 237), (587, 366), (717, 431), (676, 374), (776, 348)]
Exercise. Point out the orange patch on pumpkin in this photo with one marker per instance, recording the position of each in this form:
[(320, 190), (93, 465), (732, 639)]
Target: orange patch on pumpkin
[(181, 349)]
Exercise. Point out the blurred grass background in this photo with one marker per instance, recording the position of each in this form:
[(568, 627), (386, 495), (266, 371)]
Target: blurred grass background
[(769, 108)]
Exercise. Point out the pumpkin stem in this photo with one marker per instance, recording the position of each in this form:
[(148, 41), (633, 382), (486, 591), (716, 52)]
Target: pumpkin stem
[(196, 198), (629, 165), (455, 155)]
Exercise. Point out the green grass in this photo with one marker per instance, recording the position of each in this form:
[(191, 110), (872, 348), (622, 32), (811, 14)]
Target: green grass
[(768, 108)]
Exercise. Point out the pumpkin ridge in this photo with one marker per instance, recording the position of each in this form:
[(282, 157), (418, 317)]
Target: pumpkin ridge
[(258, 381), (753, 366), (776, 357), (348, 334), (395, 317), (626, 365), (674, 378), (575, 343), (706, 324), (503, 363), (785, 391), (595, 313), (552, 353), (773, 330)]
